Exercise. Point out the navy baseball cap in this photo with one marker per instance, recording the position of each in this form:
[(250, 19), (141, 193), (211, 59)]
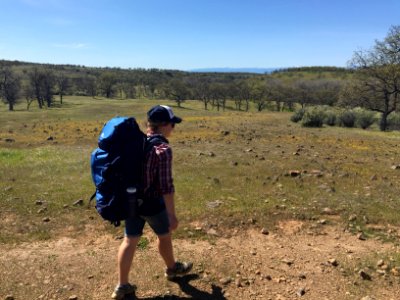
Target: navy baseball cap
[(162, 113)]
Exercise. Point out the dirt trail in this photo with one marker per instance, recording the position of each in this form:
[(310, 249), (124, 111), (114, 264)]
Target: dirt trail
[(292, 262)]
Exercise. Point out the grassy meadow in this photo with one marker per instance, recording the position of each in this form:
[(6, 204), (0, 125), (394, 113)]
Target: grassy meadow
[(231, 169)]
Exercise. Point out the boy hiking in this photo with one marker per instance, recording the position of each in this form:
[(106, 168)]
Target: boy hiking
[(158, 207)]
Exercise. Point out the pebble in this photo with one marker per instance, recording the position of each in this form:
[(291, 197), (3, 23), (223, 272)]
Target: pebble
[(367, 298), (47, 219), (301, 292), (361, 237), (73, 297), (9, 297), (264, 231), (78, 202), (380, 263), (396, 271), (364, 275), (212, 231), (302, 276), (225, 280), (238, 282), (327, 211), (289, 262), (333, 262), (352, 218)]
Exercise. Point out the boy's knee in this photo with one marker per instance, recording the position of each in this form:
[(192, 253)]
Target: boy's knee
[(131, 241), (165, 237)]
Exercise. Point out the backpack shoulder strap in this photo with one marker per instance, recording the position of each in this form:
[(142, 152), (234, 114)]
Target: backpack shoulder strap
[(154, 140)]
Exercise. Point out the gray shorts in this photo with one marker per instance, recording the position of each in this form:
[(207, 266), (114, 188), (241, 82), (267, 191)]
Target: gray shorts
[(159, 223)]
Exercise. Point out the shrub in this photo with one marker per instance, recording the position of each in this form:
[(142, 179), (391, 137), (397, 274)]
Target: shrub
[(298, 115), (394, 121), (313, 118), (365, 119), (347, 118), (330, 118)]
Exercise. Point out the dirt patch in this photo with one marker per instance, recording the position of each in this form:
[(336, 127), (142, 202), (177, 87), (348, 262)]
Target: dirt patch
[(288, 263)]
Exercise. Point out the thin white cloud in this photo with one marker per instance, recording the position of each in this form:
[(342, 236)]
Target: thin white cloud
[(71, 46), (60, 22), (44, 3)]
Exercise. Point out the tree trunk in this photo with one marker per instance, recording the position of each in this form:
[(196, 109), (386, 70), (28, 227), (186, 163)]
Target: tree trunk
[(383, 122), (205, 104), (278, 106), (61, 96), (10, 106)]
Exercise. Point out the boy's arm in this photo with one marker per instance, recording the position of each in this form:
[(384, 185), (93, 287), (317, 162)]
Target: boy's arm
[(170, 205)]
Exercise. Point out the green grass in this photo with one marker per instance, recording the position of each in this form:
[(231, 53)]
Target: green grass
[(240, 159)]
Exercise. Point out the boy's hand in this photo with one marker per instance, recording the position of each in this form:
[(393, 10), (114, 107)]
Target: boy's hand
[(173, 222)]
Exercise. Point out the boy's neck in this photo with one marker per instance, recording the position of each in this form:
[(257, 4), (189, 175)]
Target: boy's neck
[(152, 132)]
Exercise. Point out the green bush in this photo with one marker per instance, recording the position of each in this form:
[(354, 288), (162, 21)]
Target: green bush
[(298, 115), (330, 118), (347, 118), (313, 118), (365, 118), (394, 121)]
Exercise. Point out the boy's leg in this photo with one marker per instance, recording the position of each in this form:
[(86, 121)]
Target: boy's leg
[(125, 257), (160, 225), (166, 250)]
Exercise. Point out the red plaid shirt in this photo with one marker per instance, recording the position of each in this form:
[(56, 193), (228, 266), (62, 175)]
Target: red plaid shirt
[(158, 171)]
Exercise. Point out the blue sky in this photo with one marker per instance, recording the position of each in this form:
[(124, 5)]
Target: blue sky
[(189, 34)]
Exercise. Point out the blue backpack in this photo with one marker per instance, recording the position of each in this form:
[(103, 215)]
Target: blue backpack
[(117, 164)]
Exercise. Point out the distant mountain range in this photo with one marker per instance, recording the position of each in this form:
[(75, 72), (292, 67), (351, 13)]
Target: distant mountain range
[(235, 70)]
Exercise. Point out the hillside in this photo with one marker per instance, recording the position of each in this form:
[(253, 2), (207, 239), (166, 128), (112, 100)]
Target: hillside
[(267, 209)]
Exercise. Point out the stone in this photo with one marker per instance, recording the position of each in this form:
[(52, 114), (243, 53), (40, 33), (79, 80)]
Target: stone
[(46, 219), (238, 282), (73, 297), (328, 211), (214, 204), (352, 218), (225, 280), (212, 231), (302, 276), (333, 262), (367, 298), (380, 263), (268, 277), (9, 297), (42, 210), (78, 202), (265, 231), (396, 271), (289, 262), (216, 181), (395, 167), (301, 292), (374, 177), (294, 173), (364, 275), (361, 237)]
